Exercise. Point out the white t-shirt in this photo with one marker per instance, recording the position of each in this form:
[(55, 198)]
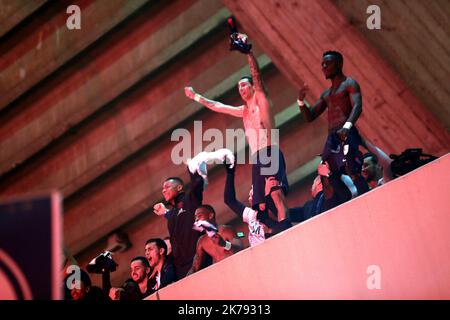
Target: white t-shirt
[(255, 228)]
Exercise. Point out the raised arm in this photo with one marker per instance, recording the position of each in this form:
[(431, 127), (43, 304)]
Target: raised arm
[(195, 190), (261, 93), (310, 113), (214, 105), (383, 159), (255, 72), (229, 195)]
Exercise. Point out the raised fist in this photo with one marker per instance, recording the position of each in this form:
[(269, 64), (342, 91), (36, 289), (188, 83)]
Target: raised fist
[(160, 209), (114, 293)]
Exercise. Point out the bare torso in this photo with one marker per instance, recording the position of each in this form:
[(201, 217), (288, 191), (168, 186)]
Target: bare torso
[(339, 105), (216, 252), (256, 131)]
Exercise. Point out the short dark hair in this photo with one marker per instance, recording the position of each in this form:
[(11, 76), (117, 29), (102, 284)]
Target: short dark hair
[(371, 155), (249, 78), (160, 243), (338, 56), (209, 208), (179, 180), (142, 259)]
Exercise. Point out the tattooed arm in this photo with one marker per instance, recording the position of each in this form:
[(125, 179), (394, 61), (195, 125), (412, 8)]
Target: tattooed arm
[(261, 93), (255, 72)]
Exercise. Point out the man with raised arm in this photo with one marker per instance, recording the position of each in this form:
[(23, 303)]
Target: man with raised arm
[(180, 216), (267, 158), (377, 165), (180, 207), (344, 103)]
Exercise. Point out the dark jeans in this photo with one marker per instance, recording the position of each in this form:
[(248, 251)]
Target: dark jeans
[(270, 157)]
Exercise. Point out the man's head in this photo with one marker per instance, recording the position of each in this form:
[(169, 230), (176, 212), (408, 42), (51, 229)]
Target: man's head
[(139, 269), (250, 196), (81, 287), (205, 212), (155, 251), (332, 62), (172, 187), (370, 167), (245, 87)]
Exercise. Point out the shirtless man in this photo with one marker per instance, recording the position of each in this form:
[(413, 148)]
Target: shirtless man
[(258, 123), (344, 102), (219, 246)]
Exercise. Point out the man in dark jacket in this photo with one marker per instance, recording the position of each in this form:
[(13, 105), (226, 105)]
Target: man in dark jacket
[(179, 212), (138, 287), (163, 272)]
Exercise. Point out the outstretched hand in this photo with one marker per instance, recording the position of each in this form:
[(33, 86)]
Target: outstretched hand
[(114, 293), (189, 92)]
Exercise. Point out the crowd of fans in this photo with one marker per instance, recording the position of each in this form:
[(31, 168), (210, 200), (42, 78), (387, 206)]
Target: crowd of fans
[(196, 240)]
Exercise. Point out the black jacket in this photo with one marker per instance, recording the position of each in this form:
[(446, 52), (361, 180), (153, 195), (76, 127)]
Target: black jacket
[(180, 222), (168, 275), (132, 291)]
